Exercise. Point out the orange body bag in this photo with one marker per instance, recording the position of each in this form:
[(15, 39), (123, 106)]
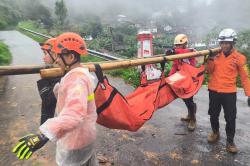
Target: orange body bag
[(187, 81), (130, 112)]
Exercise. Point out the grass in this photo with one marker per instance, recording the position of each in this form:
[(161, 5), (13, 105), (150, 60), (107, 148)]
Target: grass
[(5, 55), (90, 58), (130, 75), (34, 27)]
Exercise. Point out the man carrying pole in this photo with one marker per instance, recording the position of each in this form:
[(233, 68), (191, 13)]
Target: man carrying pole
[(46, 85), (223, 69), (180, 43), (74, 128)]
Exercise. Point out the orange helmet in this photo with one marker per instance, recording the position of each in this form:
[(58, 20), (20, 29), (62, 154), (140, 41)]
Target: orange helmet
[(70, 41), (181, 39), (48, 44)]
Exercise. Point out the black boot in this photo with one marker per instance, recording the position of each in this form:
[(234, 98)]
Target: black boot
[(192, 121)]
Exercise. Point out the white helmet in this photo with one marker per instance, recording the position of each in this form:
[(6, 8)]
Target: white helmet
[(227, 35)]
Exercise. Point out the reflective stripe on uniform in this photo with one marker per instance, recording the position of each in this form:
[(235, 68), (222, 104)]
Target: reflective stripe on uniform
[(91, 97)]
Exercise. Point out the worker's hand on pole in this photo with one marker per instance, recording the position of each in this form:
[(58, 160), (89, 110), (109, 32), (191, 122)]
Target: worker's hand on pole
[(29, 144), (170, 51), (248, 101), (211, 55)]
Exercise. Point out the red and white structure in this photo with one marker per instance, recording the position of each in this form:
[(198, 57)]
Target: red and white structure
[(145, 49)]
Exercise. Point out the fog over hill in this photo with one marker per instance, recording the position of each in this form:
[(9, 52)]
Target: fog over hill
[(199, 16), (198, 12)]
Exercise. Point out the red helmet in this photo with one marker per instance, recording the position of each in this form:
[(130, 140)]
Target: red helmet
[(48, 44), (70, 41)]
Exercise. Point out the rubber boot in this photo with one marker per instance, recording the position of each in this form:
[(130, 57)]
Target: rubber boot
[(186, 118), (191, 125), (192, 121)]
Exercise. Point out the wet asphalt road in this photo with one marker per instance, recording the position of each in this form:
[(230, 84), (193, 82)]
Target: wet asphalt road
[(164, 140)]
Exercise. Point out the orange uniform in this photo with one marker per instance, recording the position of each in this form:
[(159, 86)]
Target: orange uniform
[(223, 72)]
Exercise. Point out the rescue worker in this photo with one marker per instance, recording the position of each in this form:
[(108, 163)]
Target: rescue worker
[(46, 85), (180, 42), (74, 128), (223, 70)]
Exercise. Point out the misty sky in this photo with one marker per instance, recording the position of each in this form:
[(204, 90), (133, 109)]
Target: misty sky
[(202, 14)]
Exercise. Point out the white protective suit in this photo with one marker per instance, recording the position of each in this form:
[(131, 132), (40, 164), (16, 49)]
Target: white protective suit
[(74, 128)]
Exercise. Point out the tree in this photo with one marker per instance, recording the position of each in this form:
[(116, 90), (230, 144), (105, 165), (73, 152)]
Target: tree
[(243, 43), (45, 17), (35, 11), (103, 41), (9, 15), (95, 27), (61, 12), (212, 35)]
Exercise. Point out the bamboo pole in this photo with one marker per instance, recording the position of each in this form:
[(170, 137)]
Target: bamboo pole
[(48, 73), (22, 69), (52, 71)]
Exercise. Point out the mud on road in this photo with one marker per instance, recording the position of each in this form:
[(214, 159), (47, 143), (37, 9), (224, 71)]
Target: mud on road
[(164, 140)]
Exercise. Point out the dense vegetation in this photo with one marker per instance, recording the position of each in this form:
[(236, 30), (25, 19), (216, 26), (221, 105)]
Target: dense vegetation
[(8, 15), (5, 56)]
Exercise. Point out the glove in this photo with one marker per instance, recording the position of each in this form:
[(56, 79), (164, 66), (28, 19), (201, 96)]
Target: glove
[(170, 51), (211, 54), (29, 144), (248, 101)]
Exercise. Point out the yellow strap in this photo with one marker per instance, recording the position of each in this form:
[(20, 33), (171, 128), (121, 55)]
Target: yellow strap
[(91, 97)]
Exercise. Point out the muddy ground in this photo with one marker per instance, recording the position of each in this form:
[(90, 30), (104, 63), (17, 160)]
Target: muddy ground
[(164, 140)]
